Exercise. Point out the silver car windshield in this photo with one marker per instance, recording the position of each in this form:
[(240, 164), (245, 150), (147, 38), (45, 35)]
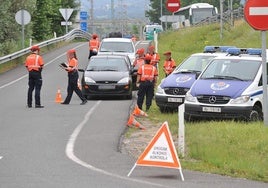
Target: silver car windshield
[(232, 69)]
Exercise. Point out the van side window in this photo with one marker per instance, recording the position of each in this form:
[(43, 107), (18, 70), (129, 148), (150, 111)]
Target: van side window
[(260, 82)]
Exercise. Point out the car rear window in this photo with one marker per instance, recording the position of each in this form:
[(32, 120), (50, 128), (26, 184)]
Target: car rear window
[(117, 47)]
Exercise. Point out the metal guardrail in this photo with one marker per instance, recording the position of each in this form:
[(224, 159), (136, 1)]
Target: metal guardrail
[(75, 33)]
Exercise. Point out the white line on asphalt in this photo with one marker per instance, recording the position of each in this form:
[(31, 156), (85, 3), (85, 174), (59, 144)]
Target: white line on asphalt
[(258, 11), (69, 150), (14, 81)]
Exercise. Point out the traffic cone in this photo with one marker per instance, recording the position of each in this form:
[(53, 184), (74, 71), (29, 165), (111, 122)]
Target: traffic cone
[(138, 112), (58, 98), (133, 121)]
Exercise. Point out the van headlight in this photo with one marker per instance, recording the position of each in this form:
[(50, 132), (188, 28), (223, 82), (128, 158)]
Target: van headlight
[(124, 80), (89, 80), (240, 100), (160, 90), (190, 98)]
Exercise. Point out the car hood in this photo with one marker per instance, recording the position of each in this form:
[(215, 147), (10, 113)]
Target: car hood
[(106, 75), (185, 80), (229, 88)]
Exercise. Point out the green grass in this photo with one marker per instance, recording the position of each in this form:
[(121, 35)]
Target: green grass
[(231, 148)]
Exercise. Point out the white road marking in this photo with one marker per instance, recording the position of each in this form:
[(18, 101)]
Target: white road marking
[(69, 150), (24, 76), (258, 11)]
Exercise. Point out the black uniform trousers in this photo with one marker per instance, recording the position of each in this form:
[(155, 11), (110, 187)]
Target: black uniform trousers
[(146, 89), (73, 87), (91, 53), (35, 83)]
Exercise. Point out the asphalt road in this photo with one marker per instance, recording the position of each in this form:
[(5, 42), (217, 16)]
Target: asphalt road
[(74, 146)]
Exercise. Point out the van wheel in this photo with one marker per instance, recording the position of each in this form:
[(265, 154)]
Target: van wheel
[(256, 114)]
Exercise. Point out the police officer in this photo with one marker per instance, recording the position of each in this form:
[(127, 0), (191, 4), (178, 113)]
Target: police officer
[(146, 80), (169, 64), (72, 69), (93, 45), (34, 64)]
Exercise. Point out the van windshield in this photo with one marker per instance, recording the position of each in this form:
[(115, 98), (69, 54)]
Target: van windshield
[(231, 69), (194, 63)]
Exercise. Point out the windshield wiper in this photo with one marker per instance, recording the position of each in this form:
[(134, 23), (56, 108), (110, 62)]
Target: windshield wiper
[(223, 77)]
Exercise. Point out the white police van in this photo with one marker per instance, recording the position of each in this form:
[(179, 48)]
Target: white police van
[(230, 87), (172, 89)]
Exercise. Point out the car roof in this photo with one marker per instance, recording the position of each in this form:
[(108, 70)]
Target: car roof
[(107, 55), (116, 40), (210, 54)]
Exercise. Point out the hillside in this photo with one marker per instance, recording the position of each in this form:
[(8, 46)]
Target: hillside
[(186, 41), (232, 148)]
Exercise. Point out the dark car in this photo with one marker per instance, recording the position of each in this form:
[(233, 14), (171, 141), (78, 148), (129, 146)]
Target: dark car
[(107, 75)]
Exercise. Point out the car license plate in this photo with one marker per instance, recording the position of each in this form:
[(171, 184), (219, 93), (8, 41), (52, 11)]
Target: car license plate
[(211, 109), (175, 100), (103, 87)]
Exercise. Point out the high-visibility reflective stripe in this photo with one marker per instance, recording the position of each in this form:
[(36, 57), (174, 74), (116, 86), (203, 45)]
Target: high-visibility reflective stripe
[(36, 65), (145, 76)]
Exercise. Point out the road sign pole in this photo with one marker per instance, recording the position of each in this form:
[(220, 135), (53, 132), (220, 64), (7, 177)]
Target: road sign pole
[(66, 20), (264, 78), (22, 28)]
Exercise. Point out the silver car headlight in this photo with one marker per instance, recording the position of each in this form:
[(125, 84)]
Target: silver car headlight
[(89, 80), (160, 90), (190, 98), (240, 100), (124, 80)]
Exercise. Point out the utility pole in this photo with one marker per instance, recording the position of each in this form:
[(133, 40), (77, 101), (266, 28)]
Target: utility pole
[(112, 14), (91, 16), (221, 18)]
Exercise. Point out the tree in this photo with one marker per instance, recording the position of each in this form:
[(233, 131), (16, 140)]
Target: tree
[(10, 31), (42, 21), (47, 18), (154, 13)]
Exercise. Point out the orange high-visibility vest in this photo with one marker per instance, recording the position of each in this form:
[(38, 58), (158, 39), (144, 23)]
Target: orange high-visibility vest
[(169, 66), (155, 58), (94, 44), (34, 62), (138, 62), (147, 72), (73, 63)]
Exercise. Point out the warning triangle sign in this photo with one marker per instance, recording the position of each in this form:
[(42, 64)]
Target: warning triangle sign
[(160, 152)]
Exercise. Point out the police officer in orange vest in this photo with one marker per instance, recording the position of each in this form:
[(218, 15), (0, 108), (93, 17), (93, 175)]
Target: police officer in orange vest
[(72, 69), (146, 80), (155, 56), (93, 45), (169, 64), (34, 64)]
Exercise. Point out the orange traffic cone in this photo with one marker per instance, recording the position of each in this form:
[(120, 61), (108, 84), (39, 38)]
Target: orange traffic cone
[(138, 112), (58, 98), (132, 121)]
